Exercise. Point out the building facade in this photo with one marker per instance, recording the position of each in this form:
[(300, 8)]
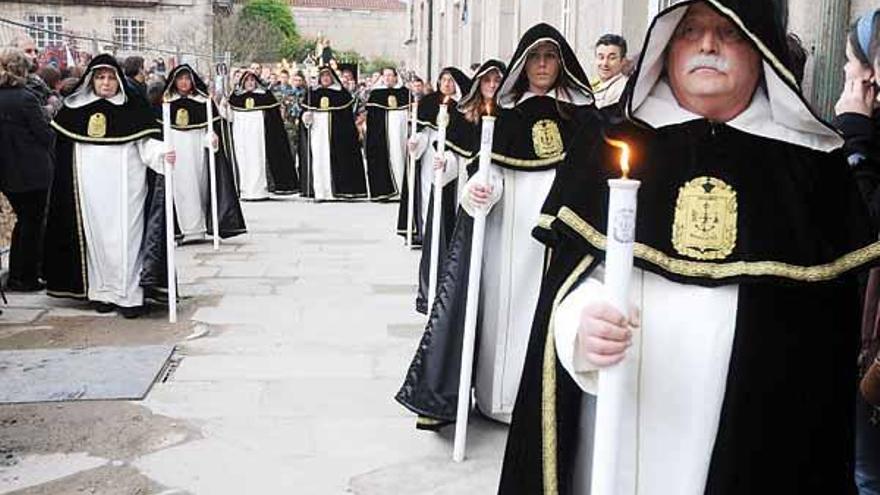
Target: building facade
[(168, 29), (373, 28), (465, 32)]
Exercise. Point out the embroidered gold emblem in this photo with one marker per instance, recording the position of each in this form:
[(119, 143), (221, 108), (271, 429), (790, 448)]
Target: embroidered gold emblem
[(325, 102), (97, 125), (546, 138), (705, 219), (392, 101), (181, 119), (249, 103)]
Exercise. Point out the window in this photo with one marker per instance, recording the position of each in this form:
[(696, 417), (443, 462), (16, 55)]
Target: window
[(129, 33), (46, 29)]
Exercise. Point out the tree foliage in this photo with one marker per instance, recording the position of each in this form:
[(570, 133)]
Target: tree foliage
[(274, 15)]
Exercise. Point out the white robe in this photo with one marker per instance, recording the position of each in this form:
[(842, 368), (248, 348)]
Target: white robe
[(397, 124), (675, 394), (250, 152), (426, 151), (322, 178), (191, 183), (511, 277), (112, 190)]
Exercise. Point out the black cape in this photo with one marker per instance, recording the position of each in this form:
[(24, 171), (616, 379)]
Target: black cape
[(346, 161), (800, 233), (280, 166), (379, 173), (64, 263)]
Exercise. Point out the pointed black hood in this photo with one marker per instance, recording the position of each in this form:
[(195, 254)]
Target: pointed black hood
[(647, 98), (199, 86), (575, 79), (487, 67)]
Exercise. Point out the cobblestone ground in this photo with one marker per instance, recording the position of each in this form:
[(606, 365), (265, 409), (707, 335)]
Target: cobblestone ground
[(292, 343)]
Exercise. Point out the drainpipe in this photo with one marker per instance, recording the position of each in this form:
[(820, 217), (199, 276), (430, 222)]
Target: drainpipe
[(832, 19)]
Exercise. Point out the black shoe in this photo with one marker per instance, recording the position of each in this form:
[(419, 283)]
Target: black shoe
[(131, 312), (104, 307), (13, 285)]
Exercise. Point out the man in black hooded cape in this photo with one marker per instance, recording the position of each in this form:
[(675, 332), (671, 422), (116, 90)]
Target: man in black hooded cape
[(189, 117), (431, 385), (749, 231), (330, 157)]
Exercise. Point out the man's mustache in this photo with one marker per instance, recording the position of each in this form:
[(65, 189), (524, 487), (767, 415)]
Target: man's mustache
[(708, 62)]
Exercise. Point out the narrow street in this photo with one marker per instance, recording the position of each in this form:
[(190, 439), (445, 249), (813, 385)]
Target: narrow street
[(291, 344)]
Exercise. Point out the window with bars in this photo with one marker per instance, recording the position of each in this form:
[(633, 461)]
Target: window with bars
[(45, 30), (129, 33)]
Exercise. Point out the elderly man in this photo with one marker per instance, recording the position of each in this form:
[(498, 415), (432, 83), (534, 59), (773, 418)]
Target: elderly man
[(610, 61), (740, 348)]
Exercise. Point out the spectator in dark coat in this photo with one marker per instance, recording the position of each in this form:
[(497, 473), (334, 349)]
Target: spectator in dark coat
[(135, 75), (26, 142)]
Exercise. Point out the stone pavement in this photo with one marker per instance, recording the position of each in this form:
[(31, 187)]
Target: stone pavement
[(301, 333)]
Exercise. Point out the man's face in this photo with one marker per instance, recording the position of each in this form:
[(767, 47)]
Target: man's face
[(326, 80), (710, 62), (105, 83), (183, 84), (418, 87), (347, 78), (284, 78), (29, 47), (297, 81), (609, 61), (447, 84), (390, 78)]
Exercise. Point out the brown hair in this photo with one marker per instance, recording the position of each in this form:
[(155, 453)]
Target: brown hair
[(474, 109), (13, 68)]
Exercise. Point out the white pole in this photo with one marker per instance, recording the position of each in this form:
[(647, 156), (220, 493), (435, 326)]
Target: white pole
[(410, 174), (611, 397), (169, 215), (442, 122), (473, 298), (212, 171)]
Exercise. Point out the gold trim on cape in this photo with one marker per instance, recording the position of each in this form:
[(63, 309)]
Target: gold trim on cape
[(721, 271), (545, 221), (328, 108), (549, 434), (254, 109), (518, 162), (116, 140)]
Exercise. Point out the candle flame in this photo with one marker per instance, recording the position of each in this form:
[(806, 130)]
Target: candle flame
[(624, 155)]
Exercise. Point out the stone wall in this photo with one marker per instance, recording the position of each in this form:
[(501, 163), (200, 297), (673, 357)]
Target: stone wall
[(173, 25), (370, 33)]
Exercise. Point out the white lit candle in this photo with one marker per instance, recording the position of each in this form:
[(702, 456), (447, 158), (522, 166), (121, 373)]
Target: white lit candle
[(611, 398)]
